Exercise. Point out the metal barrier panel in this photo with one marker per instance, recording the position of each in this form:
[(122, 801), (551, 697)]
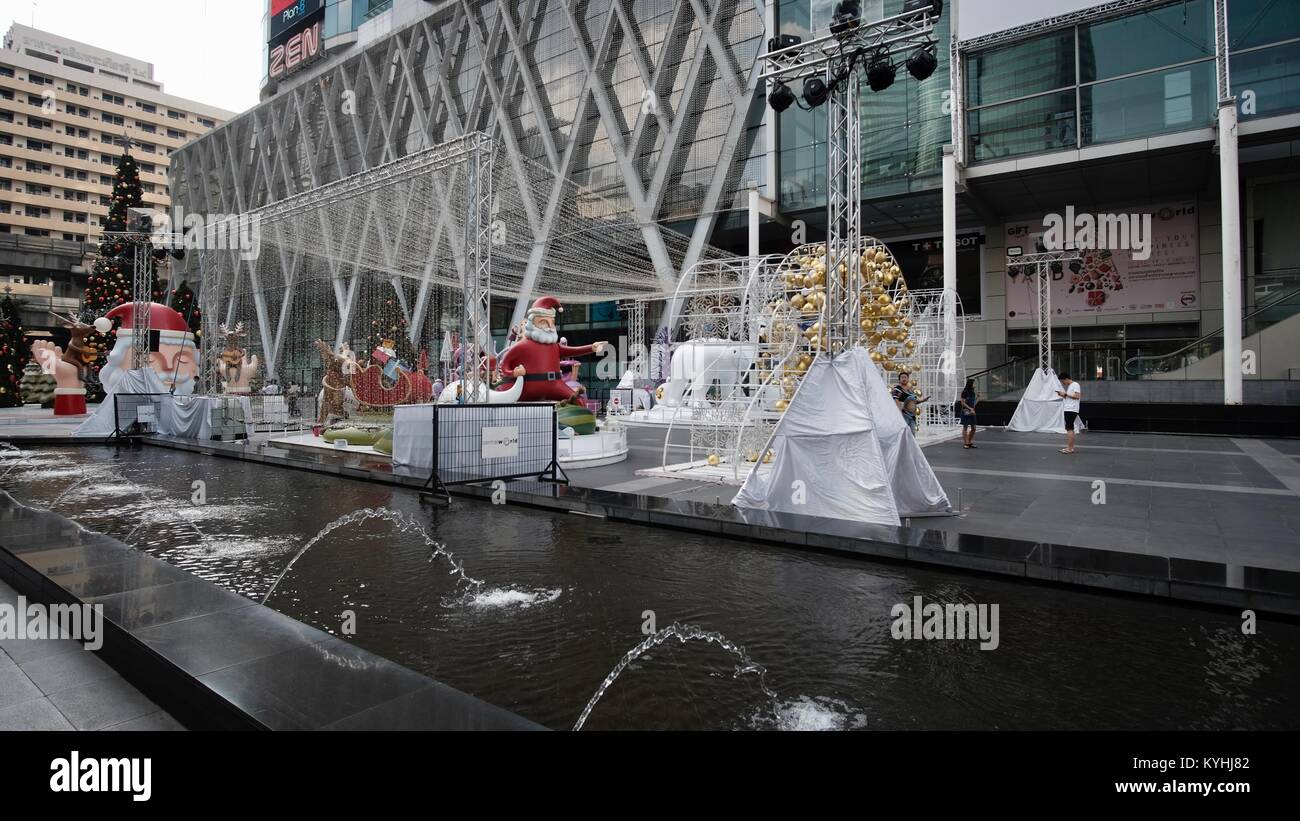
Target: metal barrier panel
[(480, 443), (137, 414)]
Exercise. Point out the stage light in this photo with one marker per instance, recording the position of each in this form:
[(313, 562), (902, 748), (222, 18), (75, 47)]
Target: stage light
[(848, 14), (815, 91), (935, 6), (781, 98), (881, 73), (783, 41), (922, 63)]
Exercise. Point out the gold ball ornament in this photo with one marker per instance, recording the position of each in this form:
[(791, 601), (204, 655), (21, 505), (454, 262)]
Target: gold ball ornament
[(714, 460)]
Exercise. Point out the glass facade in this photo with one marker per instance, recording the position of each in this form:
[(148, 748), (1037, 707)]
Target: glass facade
[(1137, 76), (342, 16), (1264, 44), (904, 128)]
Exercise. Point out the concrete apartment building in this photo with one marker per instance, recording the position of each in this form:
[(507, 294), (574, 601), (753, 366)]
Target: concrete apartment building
[(65, 110)]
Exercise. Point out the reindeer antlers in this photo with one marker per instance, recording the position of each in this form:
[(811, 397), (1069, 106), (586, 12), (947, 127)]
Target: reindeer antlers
[(68, 320)]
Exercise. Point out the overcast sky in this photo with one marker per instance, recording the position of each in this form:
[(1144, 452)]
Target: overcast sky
[(204, 50)]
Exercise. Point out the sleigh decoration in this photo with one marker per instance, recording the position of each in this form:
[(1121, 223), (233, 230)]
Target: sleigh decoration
[(372, 388)]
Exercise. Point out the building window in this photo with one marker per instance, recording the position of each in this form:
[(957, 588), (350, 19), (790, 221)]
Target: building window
[(1137, 76), (1265, 56)]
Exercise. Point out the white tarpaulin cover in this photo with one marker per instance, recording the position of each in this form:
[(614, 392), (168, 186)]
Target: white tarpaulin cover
[(846, 441), (413, 436), (1040, 409), (185, 417)]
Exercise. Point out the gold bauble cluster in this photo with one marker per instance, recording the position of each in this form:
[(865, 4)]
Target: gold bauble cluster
[(884, 324)]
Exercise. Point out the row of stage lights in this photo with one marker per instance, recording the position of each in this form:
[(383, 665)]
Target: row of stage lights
[(881, 71)]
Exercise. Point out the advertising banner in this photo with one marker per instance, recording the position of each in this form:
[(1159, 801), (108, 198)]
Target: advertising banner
[(287, 15), (1152, 264)]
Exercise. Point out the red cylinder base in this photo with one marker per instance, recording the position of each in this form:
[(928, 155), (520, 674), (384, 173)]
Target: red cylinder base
[(70, 404)]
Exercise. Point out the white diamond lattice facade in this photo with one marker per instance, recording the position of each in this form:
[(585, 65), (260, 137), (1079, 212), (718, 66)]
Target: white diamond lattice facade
[(650, 109)]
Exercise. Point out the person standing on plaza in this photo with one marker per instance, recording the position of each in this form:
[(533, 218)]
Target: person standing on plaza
[(1072, 394), (907, 399), (966, 405)]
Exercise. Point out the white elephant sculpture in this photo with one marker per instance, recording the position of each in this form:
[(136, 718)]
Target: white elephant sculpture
[(699, 364)]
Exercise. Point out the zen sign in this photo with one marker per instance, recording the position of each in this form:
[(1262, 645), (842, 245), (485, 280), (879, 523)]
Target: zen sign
[(296, 51), (501, 443)]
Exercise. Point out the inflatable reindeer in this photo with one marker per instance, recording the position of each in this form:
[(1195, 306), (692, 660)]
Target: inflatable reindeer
[(234, 367)]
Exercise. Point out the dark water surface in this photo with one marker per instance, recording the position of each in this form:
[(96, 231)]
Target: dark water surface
[(566, 596)]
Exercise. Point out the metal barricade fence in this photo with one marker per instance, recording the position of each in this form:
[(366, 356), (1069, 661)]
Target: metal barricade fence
[(483, 443), (137, 414)]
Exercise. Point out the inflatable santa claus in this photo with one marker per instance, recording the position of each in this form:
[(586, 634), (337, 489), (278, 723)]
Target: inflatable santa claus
[(539, 352), (173, 358)]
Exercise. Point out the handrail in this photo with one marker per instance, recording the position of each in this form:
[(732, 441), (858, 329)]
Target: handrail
[(1013, 360), (1129, 363)]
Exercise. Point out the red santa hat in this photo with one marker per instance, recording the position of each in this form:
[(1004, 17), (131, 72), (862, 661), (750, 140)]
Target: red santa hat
[(169, 325), (547, 306)]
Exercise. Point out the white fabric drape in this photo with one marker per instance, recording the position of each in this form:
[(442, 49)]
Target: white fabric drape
[(185, 417), (1040, 409), (413, 436), (842, 450)]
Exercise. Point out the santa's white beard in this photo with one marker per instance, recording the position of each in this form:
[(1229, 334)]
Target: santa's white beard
[(545, 337), (111, 373), (118, 365)]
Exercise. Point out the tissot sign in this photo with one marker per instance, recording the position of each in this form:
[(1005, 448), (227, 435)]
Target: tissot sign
[(295, 34)]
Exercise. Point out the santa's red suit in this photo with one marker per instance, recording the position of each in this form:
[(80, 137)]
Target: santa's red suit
[(543, 379)]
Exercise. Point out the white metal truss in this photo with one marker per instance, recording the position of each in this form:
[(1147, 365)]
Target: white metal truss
[(636, 339), (475, 65), (842, 329), (476, 327), (1221, 51), (839, 59), (1045, 266), (1094, 14)]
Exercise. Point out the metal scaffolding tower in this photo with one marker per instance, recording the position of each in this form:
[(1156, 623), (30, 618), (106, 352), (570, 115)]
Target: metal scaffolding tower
[(476, 324), (837, 59), (1046, 267)]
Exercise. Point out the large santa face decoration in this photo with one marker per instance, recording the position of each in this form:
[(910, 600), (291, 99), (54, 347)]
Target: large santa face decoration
[(173, 358)]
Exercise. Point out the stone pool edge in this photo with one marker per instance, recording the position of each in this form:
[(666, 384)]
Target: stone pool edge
[(1185, 581), (252, 687)]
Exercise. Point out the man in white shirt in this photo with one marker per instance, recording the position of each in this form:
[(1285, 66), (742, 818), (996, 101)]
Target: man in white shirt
[(1071, 395)]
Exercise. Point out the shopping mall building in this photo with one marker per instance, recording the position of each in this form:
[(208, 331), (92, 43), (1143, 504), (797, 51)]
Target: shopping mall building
[(1099, 107)]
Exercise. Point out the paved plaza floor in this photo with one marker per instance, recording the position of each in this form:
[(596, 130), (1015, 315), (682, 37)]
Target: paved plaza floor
[(1235, 501), (56, 684)]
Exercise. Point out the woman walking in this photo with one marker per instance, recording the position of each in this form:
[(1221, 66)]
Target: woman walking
[(967, 407)]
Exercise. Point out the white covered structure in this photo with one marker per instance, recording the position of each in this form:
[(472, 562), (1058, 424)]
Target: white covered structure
[(1040, 409), (838, 456)]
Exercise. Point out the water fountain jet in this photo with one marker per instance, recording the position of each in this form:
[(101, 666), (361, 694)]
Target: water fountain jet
[(405, 524), (683, 633)]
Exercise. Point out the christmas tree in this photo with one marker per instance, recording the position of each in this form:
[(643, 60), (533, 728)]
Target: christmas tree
[(388, 323), (13, 354), (111, 279), (37, 388), (183, 303)]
